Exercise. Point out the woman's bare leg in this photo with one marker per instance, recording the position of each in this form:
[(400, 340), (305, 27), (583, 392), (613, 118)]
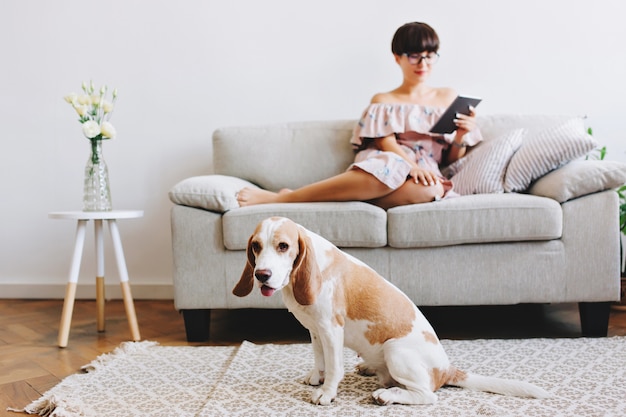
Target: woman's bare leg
[(352, 185), (409, 193)]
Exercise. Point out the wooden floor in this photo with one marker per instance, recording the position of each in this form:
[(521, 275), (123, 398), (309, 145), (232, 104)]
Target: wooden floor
[(31, 362)]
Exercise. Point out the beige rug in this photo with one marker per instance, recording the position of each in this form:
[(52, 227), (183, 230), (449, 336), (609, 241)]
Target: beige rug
[(587, 377)]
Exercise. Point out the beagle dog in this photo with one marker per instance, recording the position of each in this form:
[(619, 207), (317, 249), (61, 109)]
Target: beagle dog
[(342, 301)]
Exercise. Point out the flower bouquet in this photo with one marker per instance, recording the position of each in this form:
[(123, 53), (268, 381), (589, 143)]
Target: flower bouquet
[(94, 111)]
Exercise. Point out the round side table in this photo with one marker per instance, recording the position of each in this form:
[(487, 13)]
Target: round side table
[(82, 217)]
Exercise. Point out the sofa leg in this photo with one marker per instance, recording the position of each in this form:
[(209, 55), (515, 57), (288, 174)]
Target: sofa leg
[(594, 318), (197, 324)]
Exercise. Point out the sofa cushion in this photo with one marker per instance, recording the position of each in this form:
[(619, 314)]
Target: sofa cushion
[(481, 218), (348, 224), (210, 192), (482, 170), (580, 178), (546, 151)]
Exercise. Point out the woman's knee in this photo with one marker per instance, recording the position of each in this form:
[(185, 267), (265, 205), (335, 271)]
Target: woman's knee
[(418, 193), (411, 193)]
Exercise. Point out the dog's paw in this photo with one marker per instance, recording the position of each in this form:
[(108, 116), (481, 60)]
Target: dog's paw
[(365, 370), (397, 395), (315, 378), (383, 396), (321, 397)]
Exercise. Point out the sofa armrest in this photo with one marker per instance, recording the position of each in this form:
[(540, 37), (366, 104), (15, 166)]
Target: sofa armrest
[(216, 193), (579, 178)]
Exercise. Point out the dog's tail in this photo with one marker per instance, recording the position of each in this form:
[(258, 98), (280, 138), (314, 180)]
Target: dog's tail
[(498, 386)]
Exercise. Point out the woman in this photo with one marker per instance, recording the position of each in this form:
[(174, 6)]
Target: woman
[(397, 160)]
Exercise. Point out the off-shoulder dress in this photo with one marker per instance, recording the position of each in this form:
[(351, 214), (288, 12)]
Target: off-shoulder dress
[(410, 123)]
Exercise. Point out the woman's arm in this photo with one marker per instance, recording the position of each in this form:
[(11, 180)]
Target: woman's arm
[(418, 174)]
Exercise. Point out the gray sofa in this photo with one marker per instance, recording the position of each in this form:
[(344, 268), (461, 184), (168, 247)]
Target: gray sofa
[(557, 242)]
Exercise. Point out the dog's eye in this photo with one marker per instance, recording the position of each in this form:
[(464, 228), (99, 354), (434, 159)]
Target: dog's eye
[(256, 246), (283, 247)]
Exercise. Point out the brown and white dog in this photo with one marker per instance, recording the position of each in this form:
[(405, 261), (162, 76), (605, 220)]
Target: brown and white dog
[(342, 301)]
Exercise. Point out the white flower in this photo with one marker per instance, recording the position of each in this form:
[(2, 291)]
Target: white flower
[(107, 106), (108, 131), (70, 98), (84, 100), (81, 110), (91, 129), (94, 110)]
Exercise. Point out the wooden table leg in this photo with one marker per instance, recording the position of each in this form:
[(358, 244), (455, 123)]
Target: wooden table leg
[(70, 291), (99, 233), (121, 267), (130, 311)]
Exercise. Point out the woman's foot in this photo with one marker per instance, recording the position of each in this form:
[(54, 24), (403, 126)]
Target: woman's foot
[(252, 196)]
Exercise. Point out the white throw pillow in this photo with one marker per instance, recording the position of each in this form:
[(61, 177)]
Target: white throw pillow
[(579, 178), (482, 170), (211, 192), (545, 151)]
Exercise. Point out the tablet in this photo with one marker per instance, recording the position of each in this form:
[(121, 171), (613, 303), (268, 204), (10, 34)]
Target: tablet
[(461, 104)]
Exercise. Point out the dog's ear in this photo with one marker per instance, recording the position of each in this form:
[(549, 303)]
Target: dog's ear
[(246, 282), (306, 276)]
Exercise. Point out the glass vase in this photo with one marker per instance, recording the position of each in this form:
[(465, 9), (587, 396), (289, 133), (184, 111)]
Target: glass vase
[(96, 191)]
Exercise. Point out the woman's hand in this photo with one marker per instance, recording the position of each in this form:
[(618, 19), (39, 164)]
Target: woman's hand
[(419, 175), (465, 123), (423, 176)]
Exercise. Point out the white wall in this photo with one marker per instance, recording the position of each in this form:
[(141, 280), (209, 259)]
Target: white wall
[(187, 67)]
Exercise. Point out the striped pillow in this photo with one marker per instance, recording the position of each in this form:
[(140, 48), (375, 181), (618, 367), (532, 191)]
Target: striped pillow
[(545, 151), (482, 170)]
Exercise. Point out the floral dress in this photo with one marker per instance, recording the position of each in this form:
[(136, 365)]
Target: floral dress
[(411, 124)]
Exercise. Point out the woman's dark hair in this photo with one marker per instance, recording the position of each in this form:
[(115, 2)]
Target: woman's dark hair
[(414, 37)]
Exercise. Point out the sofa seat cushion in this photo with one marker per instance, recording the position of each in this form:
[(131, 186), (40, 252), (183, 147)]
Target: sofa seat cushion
[(484, 218), (347, 224)]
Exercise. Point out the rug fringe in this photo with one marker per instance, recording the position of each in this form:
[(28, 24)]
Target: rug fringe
[(50, 407), (53, 405), (123, 348)]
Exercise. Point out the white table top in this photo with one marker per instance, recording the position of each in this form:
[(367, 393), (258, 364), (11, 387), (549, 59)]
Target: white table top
[(96, 215)]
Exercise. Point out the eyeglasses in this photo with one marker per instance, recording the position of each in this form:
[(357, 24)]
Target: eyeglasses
[(415, 59)]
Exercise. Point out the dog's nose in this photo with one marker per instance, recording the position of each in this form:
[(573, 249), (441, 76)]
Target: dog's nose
[(263, 274)]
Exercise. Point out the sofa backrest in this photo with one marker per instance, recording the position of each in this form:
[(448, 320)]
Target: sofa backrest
[(494, 125), (290, 155), (284, 155)]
